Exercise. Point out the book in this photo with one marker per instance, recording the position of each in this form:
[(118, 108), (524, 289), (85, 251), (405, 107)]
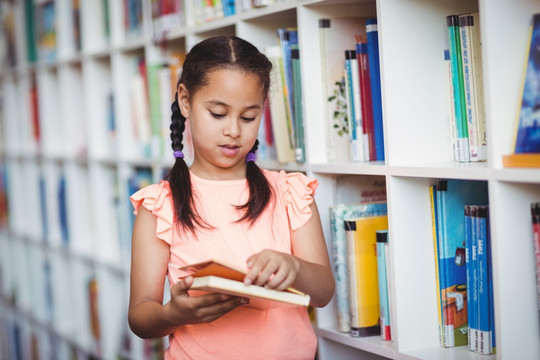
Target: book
[(366, 105), (451, 196), (363, 279), (451, 107), (298, 106), (354, 111), (527, 129), (278, 108), (469, 29), (372, 35), (336, 35), (454, 47), (222, 277), (535, 217), (339, 252), (382, 274)]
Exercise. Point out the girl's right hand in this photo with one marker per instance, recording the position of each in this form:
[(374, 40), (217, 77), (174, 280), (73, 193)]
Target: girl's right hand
[(185, 309)]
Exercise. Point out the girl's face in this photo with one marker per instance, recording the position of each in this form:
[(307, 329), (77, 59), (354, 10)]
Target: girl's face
[(224, 117)]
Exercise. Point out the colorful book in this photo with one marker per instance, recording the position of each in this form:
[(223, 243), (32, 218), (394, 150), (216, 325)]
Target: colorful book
[(354, 114), (368, 141), (382, 275), (452, 23), (363, 278), (336, 35), (339, 252), (278, 108), (372, 35), (451, 198), (451, 107), (527, 132)]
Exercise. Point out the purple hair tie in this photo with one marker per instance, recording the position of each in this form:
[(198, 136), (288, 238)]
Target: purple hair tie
[(178, 154), (250, 157)]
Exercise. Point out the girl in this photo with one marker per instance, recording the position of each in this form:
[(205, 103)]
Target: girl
[(225, 207)]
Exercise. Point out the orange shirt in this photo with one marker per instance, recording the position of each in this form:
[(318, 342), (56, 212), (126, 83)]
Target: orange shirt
[(279, 332)]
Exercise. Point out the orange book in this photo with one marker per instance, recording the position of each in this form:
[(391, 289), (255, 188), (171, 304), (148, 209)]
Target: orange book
[(218, 276)]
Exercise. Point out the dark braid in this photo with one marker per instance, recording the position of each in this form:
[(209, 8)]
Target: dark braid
[(259, 195), (211, 54)]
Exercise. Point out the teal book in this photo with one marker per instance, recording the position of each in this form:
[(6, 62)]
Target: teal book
[(452, 22), (30, 20)]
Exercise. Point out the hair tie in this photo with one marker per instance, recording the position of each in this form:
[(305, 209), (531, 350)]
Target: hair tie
[(178, 154), (250, 157)]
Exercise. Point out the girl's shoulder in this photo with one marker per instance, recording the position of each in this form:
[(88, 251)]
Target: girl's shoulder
[(292, 181), (152, 196)]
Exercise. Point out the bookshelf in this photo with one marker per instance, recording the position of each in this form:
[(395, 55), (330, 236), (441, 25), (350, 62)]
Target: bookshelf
[(87, 137)]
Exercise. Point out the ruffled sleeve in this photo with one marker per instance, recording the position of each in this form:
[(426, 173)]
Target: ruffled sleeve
[(157, 199), (297, 191)]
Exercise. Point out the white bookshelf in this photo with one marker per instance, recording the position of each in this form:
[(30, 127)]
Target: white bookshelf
[(77, 143)]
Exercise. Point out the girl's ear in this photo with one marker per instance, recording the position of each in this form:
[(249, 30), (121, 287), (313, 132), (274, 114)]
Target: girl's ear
[(183, 100)]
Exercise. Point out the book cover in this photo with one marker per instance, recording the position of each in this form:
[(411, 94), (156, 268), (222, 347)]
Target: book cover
[(223, 277), (452, 196), (454, 47), (527, 133), (382, 274), (336, 35), (372, 35), (363, 278), (339, 252)]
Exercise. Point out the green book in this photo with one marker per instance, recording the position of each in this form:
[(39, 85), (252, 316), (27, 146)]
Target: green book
[(30, 20), (300, 151)]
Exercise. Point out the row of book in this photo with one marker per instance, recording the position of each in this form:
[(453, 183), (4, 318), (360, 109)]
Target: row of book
[(351, 80), (167, 15), (462, 252), (463, 61), (282, 128), (360, 252)]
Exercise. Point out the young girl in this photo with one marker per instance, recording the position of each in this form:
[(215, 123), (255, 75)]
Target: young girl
[(225, 207)]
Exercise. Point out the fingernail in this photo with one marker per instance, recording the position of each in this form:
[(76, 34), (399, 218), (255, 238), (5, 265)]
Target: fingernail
[(224, 297), (247, 281)]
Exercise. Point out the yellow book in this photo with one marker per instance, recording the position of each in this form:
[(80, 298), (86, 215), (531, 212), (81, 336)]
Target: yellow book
[(363, 276)]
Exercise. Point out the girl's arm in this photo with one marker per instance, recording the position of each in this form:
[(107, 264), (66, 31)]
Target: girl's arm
[(147, 316), (307, 270)]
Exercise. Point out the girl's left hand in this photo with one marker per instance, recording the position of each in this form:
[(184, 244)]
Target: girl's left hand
[(272, 269)]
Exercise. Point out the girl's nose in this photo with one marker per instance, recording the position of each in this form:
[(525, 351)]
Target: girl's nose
[(232, 128)]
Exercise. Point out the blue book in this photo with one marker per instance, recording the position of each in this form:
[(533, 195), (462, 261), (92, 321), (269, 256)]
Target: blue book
[(527, 139), (338, 214), (453, 195), (62, 208), (286, 39), (372, 35), (471, 303)]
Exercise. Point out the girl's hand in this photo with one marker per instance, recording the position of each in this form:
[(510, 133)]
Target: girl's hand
[(185, 309), (272, 269)]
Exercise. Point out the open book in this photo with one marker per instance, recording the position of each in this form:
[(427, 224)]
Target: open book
[(217, 276)]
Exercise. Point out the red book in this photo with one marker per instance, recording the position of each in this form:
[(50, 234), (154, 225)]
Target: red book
[(365, 96), (34, 111)]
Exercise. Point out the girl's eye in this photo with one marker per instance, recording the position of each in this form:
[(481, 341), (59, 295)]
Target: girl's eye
[(248, 118), (217, 116)]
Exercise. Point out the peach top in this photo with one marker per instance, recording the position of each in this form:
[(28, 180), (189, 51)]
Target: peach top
[(278, 332)]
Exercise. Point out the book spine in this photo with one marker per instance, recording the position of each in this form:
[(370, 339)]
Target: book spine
[(435, 234), (368, 140), (535, 217), (468, 250), (443, 271), (384, 303), (298, 106), (375, 77), (452, 22), (350, 230), (357, 120), (483, 284), (354, 138), (451, 108)]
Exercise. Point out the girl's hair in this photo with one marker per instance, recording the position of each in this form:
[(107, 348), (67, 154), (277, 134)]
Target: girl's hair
[(214, 54)]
